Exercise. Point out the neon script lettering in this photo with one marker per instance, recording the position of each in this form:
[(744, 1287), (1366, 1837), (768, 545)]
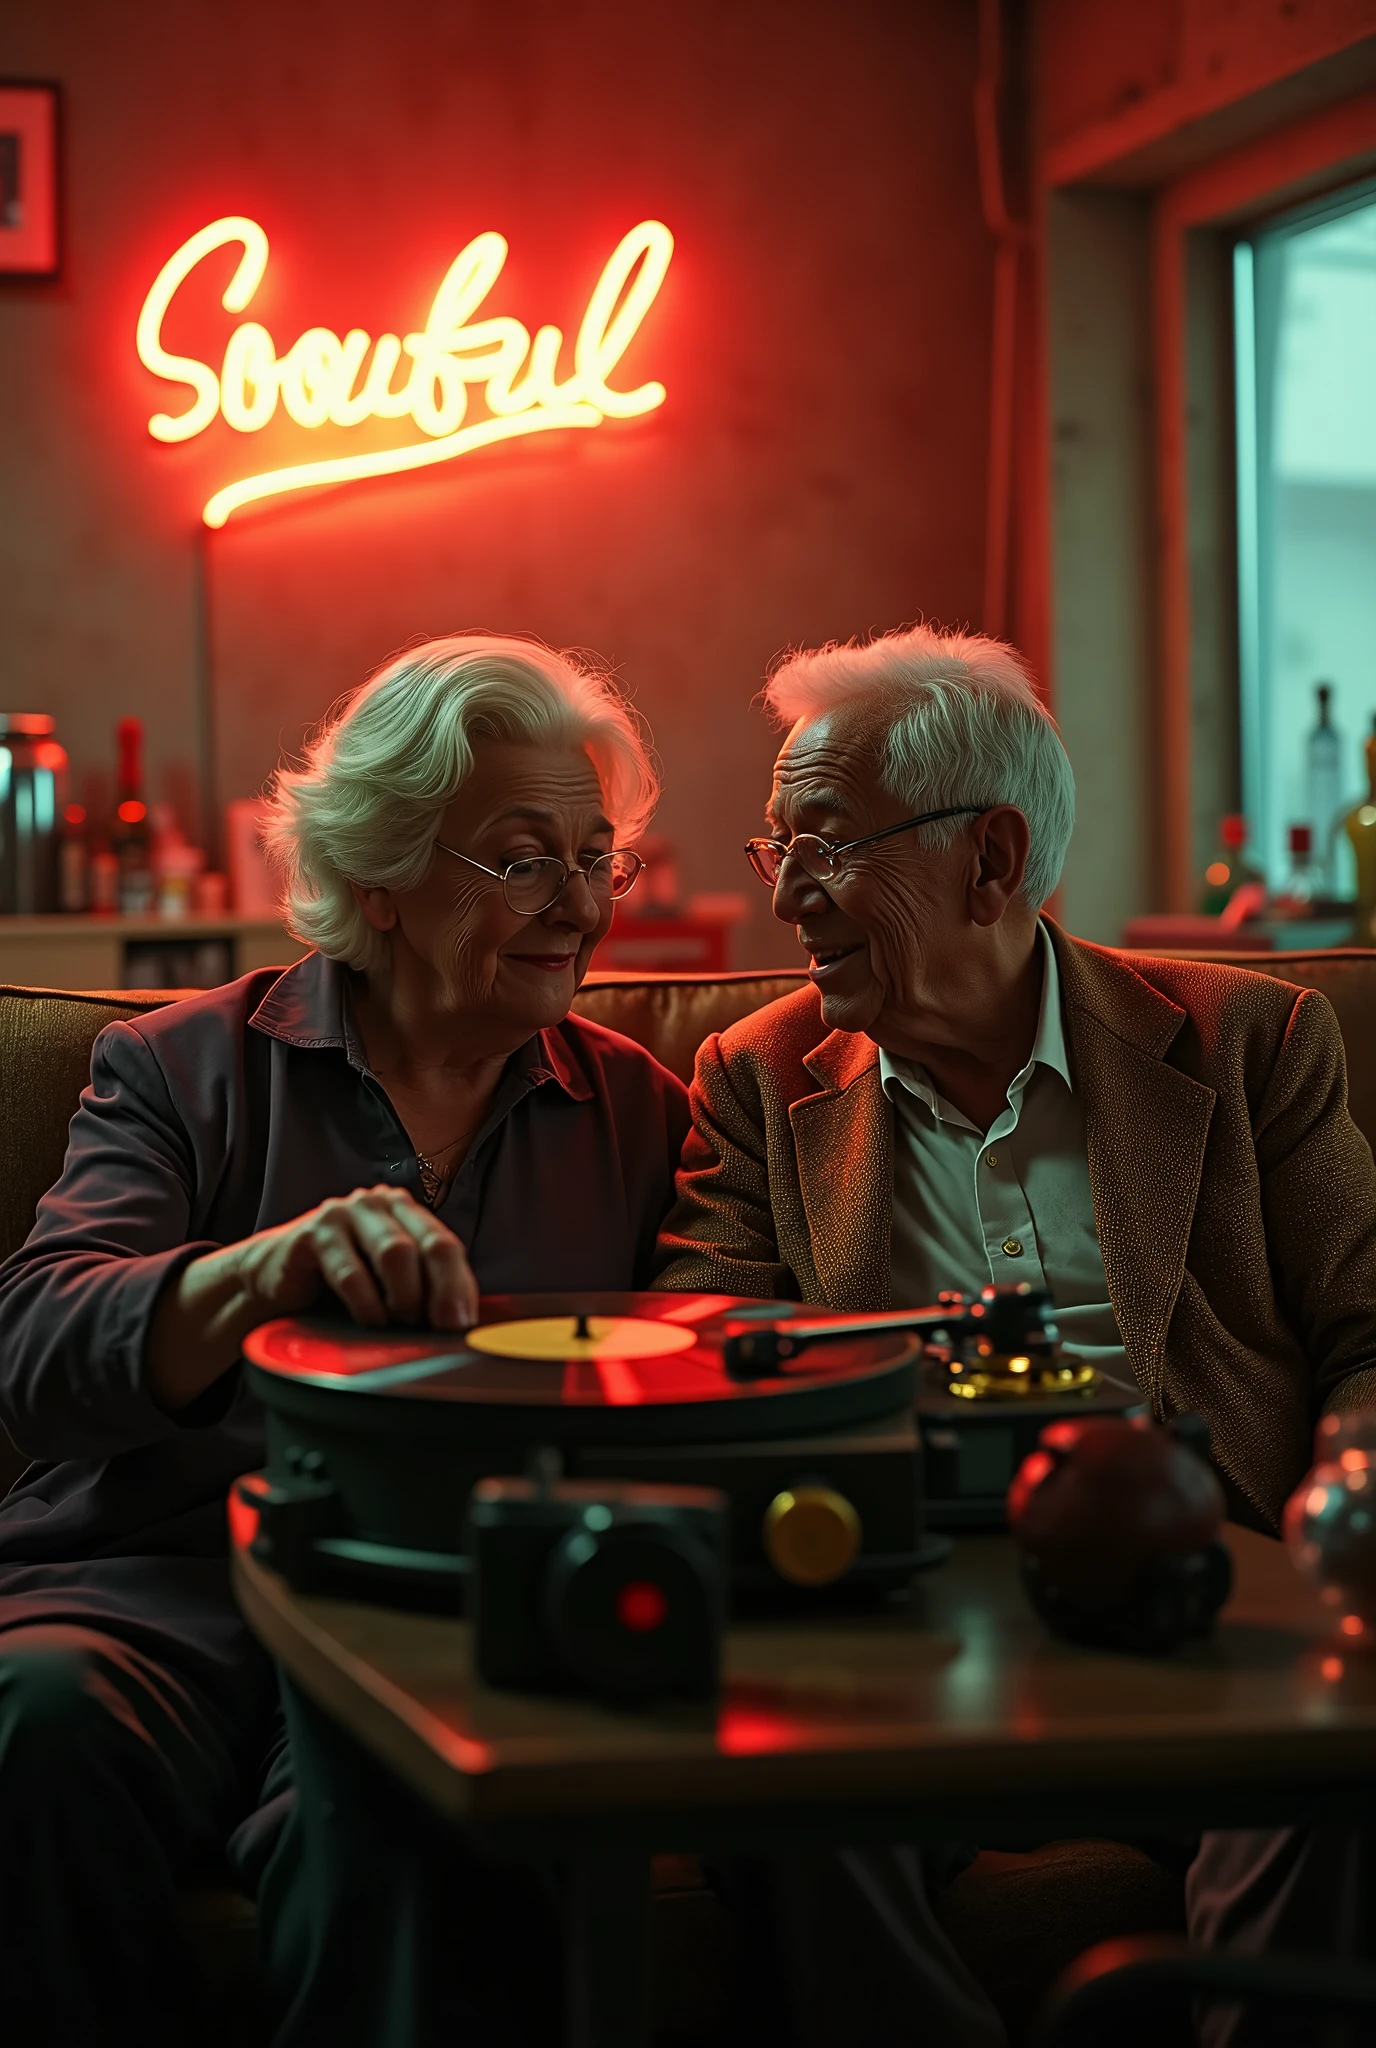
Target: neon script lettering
[(325, 379)]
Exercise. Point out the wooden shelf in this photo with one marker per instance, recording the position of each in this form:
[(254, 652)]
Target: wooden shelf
[(226, 924), (90, 951)]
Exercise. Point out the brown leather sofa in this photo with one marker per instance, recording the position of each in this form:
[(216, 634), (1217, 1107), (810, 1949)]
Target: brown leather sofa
[(1056, 1902), (46, 1037)]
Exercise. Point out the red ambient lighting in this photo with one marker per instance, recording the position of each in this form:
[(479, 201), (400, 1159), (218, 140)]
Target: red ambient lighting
[(322, 379), (641, 1606), (132, 812)]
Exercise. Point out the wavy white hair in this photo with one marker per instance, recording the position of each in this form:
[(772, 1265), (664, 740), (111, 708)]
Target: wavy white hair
[(964, 725), (379, 770)]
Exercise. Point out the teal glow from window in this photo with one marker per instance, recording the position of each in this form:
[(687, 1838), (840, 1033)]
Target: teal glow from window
[(1305, 322)]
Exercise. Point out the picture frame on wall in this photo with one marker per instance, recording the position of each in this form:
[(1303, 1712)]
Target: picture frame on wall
[(29, 211)]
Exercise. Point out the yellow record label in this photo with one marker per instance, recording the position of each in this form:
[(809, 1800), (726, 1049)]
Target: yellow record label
[(556, 1337)]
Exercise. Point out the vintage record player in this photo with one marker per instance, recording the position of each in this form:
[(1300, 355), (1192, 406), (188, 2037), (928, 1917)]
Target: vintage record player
[(816, 1427), (376, 1439)]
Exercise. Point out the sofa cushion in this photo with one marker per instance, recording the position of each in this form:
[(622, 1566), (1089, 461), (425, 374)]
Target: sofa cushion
[(46, 1037), (672, 1014)]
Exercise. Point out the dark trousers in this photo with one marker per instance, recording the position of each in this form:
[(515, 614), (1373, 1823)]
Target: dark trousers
[(138, 1723), (842, 1945), (142, 1742), (379, 1928), (1293, 1891), (855, 1953)]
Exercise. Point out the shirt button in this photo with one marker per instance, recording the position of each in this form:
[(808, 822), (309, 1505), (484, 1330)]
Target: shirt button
[(1013, 1247), (991, 1158)]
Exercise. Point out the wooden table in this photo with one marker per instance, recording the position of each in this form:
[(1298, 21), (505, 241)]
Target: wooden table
[(956, 1717)]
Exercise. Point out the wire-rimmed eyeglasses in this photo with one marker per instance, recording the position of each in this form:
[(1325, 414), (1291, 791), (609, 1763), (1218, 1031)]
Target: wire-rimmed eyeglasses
[(824, 863), (532, 885)]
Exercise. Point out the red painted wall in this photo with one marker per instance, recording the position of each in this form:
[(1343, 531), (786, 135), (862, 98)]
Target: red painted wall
[(819, 466), (1122, 81)]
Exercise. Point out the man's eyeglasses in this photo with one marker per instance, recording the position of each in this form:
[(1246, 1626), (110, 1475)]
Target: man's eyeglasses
[(531, 886), (824, 863)]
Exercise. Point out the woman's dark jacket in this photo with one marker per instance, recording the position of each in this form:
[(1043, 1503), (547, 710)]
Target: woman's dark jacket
[(236, 1110)]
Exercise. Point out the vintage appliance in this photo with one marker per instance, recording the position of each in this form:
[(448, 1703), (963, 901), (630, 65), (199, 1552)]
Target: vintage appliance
[(377, 1440), (816, 1429)]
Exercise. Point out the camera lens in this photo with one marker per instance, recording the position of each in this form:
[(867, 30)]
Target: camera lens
[(629, 1611)]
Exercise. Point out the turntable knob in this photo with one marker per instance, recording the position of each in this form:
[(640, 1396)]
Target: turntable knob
[(811, 1535)]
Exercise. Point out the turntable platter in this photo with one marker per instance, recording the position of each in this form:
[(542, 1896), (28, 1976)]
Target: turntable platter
[(650, 1369)]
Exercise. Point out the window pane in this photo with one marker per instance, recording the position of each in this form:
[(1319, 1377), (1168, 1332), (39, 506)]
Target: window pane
[(1306, 387)]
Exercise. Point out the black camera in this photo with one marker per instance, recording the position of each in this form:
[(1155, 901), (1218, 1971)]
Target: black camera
[(598, 1586)]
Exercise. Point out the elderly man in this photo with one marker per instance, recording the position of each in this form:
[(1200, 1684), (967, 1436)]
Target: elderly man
[(963, 1093)]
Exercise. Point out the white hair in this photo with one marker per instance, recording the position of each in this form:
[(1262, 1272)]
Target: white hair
[(964, 725), (387, 759)]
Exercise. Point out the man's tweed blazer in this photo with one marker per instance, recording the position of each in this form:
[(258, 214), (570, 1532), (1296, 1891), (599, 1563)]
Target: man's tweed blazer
[(1234, 1197)]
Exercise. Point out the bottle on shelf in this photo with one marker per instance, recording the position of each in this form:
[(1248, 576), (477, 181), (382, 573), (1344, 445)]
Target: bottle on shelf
[(1360, 827), (33, 792), (178, 867), (210, 894), (252, 884), (1304, 883), (1324, 782), (74, 861), (103, 873), (175, 863), (1229, 868), (130, 836)]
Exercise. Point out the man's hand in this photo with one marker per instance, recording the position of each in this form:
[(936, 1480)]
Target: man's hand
[(386, 1257)]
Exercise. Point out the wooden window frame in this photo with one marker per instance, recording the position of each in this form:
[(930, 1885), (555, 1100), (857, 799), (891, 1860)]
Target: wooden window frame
[(1129, 501), (1330, 149)]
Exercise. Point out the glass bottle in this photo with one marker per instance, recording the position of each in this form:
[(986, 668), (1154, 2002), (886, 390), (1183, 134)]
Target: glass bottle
[(33, 791), (130, 836), (1360, 827), (1304, 881), (73, 856), (1229, 868), (1324, 780), (104, 881)]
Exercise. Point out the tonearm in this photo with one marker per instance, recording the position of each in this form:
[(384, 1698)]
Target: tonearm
[(1003, 1321)]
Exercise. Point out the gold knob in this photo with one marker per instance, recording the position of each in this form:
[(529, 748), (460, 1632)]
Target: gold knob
[(811, 1535)]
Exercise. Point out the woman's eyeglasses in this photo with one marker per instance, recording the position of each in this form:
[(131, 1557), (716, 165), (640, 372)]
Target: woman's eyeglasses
[(824, 863), (531, 886)]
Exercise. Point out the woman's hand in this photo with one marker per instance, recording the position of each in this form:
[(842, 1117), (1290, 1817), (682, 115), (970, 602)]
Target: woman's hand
[(386, 1257)]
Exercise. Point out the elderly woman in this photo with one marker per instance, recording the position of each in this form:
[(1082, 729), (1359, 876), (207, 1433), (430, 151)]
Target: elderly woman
[(406, 1116)]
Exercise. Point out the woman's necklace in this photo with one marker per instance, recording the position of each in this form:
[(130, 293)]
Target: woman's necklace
[(435, 1179)]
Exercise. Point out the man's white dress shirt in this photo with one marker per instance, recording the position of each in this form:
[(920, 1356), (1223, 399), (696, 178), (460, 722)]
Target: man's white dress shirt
[(1008, 1205)]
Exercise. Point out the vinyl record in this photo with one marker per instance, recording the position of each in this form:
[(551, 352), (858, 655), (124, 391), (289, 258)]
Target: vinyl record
[(603, 1368)]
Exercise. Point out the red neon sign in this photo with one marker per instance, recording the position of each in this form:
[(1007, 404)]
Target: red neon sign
[(322, 378)]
